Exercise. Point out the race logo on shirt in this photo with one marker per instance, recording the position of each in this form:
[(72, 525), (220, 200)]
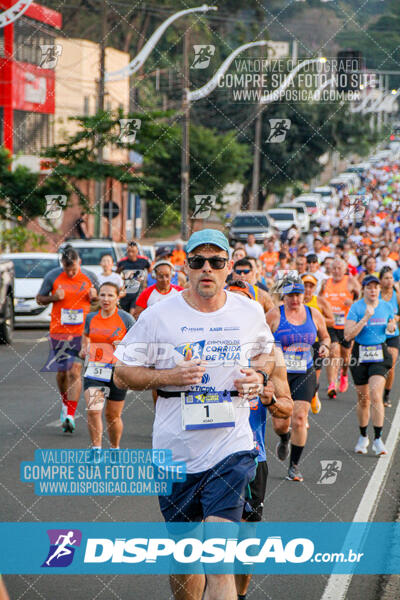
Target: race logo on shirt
[(196, 348)]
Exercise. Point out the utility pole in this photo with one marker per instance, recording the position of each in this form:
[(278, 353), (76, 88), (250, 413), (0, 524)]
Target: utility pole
[(100, 108), (185, 140), (255, 188)]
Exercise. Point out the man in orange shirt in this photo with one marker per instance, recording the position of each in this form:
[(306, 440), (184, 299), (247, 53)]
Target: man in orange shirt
[(70, 289), (270, 257), (178, 256), (340, 291)]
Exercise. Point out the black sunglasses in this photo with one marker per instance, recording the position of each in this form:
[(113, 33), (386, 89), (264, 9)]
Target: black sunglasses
[(215, 262)]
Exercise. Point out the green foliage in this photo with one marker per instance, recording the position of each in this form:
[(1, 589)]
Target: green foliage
[(216, 159), (18, 238), (23, 193)]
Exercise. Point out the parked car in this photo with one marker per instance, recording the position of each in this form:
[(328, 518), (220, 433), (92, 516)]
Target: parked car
[(353, 179), (6, 300), (30, 269), (244, 223), (358, 168), (283, 218), (91, 251), (328, 195), (313, 203), (302, 214)]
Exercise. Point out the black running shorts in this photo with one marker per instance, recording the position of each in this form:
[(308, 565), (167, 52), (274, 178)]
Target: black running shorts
[(361, 372), (337, 336)]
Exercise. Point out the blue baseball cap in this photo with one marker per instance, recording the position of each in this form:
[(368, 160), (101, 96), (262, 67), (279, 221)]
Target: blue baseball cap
[(293, 288), (207, 236), (370, 279)]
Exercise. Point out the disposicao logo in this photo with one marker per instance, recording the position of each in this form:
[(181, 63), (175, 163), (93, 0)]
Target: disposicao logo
[(62, 547)]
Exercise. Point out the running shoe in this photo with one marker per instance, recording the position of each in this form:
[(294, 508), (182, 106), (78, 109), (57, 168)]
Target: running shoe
[(344, 383), (69, 424), (294, 474), (331, 391), (64, 412), (379, 447), (315, 404), (96, 456), (362, 445), (282, 449)]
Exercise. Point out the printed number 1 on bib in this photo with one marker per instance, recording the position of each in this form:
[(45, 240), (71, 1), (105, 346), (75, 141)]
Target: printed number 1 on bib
[(207, 411)]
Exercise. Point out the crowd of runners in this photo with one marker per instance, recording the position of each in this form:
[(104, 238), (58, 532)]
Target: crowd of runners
[(222, 336)]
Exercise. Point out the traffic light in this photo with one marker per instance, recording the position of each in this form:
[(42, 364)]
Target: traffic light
[(350, 63)]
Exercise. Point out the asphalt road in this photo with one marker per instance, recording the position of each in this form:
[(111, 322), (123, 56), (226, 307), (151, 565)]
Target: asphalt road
[(29, 412)]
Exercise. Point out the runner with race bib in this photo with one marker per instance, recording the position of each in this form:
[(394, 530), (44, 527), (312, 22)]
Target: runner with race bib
[(340, 291), (70, 289), (369, 322), (295, 328), (103, 330), (201, 415), (133, 268)]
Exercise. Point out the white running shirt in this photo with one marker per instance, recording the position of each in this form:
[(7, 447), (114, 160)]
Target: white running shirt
[(225, 339)]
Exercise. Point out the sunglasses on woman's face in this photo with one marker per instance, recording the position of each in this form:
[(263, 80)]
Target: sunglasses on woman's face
[(215, 262)]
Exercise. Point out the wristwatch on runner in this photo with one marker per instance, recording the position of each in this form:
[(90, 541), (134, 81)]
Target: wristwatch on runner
[(265, 381)]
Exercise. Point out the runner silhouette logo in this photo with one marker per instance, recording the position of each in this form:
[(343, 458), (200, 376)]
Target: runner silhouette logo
[(63, 543), (279, 129)]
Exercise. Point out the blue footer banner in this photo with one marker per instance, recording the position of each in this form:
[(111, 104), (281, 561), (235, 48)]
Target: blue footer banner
[(159, 548)]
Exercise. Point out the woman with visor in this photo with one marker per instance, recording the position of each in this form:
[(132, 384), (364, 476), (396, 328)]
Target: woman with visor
[(295, 328)]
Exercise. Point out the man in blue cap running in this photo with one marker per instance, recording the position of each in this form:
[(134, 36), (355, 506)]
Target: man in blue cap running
[(199, 344)]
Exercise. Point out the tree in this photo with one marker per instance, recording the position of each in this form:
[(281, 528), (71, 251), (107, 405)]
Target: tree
[(216, 159), (22, 191)]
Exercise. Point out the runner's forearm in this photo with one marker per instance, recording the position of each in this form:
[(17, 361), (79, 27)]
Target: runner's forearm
[(144, 378)]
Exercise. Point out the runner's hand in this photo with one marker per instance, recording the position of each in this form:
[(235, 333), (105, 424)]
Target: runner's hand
[(267, 393), (59, 294), (369, 311), (82, 353), (92, 293), (249, 386), (323, 351), (188, 372), (348, 302), (391, 326)]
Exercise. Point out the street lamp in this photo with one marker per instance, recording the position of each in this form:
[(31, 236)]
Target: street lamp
[(278, 93), (149, 46), (193, 96), (317, 93), (14, 12)]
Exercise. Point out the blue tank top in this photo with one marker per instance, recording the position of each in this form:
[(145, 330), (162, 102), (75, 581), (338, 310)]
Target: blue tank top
[(395, 304), (258, 419), (152, 281), (296, 340)]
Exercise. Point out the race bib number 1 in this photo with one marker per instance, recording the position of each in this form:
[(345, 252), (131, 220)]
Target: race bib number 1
[(207, 411), (370, 354), (98, 370), (71, 316)]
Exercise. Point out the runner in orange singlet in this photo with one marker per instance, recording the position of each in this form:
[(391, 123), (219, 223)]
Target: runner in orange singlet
[(70, 289), (340, 291)]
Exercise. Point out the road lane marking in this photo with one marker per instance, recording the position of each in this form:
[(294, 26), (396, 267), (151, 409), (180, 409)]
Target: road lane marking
[(29, 340), (338, 585)]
